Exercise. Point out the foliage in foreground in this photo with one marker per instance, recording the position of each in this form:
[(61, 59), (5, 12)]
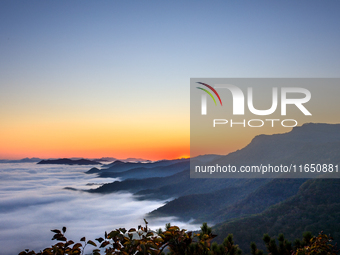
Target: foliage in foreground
[(176, 241)]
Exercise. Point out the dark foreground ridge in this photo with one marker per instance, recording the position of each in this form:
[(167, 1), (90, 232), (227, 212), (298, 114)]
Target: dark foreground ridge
[(175, 241)]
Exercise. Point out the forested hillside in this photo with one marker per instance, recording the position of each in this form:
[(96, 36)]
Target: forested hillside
[(314, 208)]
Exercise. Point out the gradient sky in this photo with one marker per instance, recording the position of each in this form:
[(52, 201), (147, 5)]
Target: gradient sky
[(111, 78)]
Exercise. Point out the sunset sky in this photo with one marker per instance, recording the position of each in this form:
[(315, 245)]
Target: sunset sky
[(112, 78)]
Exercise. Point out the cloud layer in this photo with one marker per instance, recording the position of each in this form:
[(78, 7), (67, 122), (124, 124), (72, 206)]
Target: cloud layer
[(33, 201)]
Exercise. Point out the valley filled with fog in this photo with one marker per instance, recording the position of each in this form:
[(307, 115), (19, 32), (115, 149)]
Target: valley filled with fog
[(33, 200)]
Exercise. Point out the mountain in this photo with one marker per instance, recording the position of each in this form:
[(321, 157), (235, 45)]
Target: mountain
[(66, 161), (143, 172), (24, 160), (315, 208), (141, 160), (311, 143), (250, 207), (202, 206), (168, 187), (254, 196), (134, 185), (120, 166), (138, 170), (104, 159)]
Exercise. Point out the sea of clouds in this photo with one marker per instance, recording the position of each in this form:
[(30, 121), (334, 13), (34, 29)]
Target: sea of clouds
[(33, 201)]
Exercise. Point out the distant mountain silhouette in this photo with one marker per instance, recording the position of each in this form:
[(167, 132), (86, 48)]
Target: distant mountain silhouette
[(144, 172), (104, 159), (141, 160), (120, 166), (66, 161), (277, 147), (311, 143), (24, 160)]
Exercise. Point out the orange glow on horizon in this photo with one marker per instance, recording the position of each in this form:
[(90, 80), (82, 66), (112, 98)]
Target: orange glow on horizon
[(156, 154), (64, 141), (184, 156), (95, 136)]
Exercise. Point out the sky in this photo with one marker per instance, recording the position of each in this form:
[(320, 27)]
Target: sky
[(112, 78)]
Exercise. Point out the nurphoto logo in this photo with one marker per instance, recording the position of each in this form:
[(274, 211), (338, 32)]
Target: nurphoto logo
[(264, 127), (238, 99)]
